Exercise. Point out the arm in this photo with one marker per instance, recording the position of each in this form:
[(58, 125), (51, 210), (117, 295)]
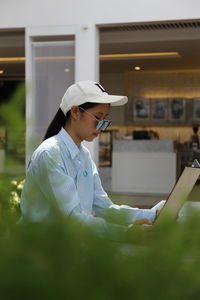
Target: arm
[(105, 208), (57, 188)]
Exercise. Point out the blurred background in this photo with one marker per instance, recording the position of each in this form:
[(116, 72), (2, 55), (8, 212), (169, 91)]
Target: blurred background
[(156, 63)]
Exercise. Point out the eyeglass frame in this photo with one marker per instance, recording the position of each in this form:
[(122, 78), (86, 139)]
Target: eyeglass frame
[(102, 124)]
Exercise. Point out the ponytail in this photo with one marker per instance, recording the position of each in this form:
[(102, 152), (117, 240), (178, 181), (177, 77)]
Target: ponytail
[(57, 123)]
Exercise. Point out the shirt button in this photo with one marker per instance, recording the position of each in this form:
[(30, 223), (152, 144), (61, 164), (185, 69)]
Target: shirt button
[(85, 173)]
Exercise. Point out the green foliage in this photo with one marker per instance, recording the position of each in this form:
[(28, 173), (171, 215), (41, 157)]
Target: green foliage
[(15, 194), (63, 260), (12, 118), (12, 113)]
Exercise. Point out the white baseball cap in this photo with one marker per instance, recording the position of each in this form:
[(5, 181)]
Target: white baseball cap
[(88, 91)]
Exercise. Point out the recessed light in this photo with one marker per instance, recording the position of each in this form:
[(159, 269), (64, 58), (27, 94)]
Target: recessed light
[(137, 68), (66, 70), (1, 71), (121, 56)]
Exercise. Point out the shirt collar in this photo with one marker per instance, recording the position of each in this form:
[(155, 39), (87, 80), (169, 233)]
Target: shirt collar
[(74, 150)]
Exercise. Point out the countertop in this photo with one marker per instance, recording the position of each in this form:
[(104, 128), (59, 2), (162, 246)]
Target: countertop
[(143, 146)]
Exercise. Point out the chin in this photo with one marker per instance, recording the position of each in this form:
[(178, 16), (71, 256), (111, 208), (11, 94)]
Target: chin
[(90, 139)]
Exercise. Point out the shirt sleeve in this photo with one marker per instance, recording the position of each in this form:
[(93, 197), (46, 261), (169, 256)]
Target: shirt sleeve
[(100, 226), (105, 208)]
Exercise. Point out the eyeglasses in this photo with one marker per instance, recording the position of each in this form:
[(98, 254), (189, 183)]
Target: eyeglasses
[(103, 124)]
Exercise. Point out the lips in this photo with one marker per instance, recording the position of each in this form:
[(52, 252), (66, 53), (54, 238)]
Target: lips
[(95, 133)]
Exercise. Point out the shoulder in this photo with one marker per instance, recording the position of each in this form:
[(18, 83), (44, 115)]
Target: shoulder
[(50, 146)]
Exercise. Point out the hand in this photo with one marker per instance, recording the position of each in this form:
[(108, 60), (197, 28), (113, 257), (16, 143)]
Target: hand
[(142, 222), (132, 232), (139, 223)]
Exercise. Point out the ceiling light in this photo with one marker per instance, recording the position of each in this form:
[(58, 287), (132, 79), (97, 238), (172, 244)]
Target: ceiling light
[(139, 55), (12, 59), (1, 72), (22, 59), (67, 70), (137, 68)]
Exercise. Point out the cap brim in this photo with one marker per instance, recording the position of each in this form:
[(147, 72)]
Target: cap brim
[(112, 99)]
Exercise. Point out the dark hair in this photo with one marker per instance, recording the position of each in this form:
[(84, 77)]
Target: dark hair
[(60, 120)]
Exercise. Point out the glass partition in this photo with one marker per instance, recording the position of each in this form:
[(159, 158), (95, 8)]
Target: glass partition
[(52, 73)]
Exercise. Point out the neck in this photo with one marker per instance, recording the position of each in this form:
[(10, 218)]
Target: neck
[(73, 135)]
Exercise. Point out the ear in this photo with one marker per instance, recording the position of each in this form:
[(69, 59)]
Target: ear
[(75, 112)]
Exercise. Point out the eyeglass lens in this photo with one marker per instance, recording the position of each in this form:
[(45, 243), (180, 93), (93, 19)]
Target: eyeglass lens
[(100, 124), (103, 124)]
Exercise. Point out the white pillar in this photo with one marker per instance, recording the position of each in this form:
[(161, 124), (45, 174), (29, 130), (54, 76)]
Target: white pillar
[(87, 66)]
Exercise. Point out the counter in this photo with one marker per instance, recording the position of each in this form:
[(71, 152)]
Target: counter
[(143, 166)]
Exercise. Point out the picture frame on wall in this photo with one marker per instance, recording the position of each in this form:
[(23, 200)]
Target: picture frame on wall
[(196, 109), (177, 109), (159, 109), (141, 109)]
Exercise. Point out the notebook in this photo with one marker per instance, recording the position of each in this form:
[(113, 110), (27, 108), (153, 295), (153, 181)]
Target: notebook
[(180, 192)]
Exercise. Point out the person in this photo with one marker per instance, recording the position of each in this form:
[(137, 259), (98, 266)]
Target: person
[(62, 174), (194, 142)]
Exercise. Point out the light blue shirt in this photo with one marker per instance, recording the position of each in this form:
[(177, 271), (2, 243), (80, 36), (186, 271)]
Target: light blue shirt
[(62, 175)]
